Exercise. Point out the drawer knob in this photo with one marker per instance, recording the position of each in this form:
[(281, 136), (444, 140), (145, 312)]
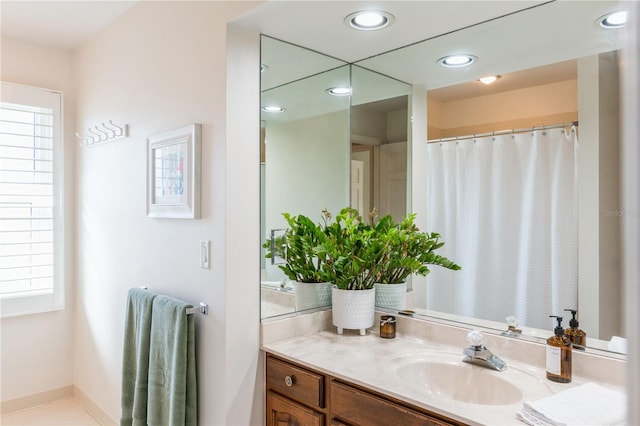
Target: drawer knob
[(289, 380)]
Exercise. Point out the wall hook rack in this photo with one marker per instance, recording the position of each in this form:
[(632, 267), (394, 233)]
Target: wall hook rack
[(105, 132)]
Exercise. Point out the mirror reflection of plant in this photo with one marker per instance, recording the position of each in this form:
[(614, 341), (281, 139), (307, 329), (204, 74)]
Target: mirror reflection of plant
[(276, 247), (409, 251), (298, 248)]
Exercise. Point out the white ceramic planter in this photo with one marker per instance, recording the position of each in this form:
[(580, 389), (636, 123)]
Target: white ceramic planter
[(312, 295), (353, 309), (391, 296)]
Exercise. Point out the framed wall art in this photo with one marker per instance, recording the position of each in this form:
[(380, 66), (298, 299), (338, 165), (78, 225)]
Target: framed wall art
[(173, 173)]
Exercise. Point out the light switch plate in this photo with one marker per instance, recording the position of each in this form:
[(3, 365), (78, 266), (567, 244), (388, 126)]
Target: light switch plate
[(205, 254)]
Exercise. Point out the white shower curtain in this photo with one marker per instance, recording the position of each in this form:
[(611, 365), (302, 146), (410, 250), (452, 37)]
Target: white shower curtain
[(506, 208)]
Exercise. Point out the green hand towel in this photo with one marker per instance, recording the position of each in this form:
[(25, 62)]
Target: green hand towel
[(172, 365), (135, 361)]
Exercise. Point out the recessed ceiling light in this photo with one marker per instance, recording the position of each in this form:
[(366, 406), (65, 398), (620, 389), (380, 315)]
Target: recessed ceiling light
[(489, 79), (454, 61), (339, 91), (368, 20), (273, 109), (613, 20)]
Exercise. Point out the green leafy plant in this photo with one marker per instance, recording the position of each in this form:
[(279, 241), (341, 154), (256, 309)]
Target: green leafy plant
[(408, 251), (298, 247), (355, 255), (351, 250)]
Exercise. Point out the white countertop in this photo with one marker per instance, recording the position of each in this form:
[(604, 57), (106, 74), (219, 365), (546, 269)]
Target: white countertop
[(366, 361)]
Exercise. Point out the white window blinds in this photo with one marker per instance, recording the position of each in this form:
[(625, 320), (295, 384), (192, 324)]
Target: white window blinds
[(30, 208)]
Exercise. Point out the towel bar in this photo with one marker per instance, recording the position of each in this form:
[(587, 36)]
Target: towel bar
[(202, 309)]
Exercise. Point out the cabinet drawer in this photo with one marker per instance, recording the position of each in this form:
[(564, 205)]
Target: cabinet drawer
[(295, 383), (355, 407)]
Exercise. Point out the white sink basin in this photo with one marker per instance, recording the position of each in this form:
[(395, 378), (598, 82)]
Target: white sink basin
[(444, 375)]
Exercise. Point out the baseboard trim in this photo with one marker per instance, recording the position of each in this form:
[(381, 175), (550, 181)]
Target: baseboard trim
[(40, 398), (98, 413)]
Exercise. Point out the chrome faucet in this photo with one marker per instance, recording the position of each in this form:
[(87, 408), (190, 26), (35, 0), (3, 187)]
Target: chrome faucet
[(478, 354)]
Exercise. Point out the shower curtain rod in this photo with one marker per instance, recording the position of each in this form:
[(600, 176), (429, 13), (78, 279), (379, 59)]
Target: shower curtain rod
[(505, 132)]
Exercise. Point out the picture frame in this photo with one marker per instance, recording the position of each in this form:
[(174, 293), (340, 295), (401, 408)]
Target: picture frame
[(174, 173)]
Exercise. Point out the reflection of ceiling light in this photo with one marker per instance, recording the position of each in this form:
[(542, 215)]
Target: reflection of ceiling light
[(273, 109), (454, 61), (613, 20), (490, 79), (263, 67), (369, 20), (339, 91)]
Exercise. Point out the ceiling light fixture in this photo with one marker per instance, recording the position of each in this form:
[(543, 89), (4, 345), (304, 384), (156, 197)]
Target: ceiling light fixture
[(368, 20), (613, 20), (490, 79), (455, 61), (273, 109), (339, 91)]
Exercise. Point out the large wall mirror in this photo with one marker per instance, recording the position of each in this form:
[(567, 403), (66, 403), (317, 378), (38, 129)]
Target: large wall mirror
[(304, 150), (557, 66), (322, 149)]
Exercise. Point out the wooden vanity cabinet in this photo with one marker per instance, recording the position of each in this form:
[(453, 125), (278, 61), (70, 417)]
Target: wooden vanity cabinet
[(295, 395), (298, 396)]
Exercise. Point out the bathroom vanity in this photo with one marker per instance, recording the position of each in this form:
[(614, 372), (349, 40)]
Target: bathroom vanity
[(315, 376), (298, 395)]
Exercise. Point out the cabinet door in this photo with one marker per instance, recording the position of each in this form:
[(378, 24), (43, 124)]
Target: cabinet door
[(284, 412)]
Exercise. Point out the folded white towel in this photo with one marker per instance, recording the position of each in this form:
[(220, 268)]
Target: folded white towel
[(618, 344), (588, 404)]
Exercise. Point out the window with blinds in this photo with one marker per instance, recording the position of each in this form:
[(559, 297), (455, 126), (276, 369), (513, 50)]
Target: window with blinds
[(30, 202)]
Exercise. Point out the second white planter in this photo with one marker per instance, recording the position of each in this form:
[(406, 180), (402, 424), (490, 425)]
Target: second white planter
[(391, 296), (353, 309), (312, 295)]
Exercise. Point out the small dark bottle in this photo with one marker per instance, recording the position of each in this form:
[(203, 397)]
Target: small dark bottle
[(577, 336), (387, 326), (559, 355)]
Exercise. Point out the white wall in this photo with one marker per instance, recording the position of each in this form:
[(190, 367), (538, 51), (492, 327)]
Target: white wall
[(36, 349), (630, 173), (599, 287), (160, 66)]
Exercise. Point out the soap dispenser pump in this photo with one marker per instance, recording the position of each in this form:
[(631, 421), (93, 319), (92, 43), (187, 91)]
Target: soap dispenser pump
[(577, 336), (558, 355)]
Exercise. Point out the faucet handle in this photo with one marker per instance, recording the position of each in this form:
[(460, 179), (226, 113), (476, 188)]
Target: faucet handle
[(475, 337)]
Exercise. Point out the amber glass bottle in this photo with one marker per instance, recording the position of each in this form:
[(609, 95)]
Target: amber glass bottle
[(559, 355), (577, 336)]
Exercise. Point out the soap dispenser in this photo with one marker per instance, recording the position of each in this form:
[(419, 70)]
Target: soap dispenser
[(577, 336), (559, 355)]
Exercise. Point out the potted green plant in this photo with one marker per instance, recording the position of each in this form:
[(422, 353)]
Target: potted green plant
[(352, 253), (408, 251), (303, 266)]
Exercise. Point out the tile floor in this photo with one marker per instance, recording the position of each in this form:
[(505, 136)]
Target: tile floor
[(64, 412)]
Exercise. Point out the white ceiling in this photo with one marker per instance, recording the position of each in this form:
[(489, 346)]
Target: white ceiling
[(531, 47), (547, 34), (61, 24), (319, 25), (68, 24), (538, 76)]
